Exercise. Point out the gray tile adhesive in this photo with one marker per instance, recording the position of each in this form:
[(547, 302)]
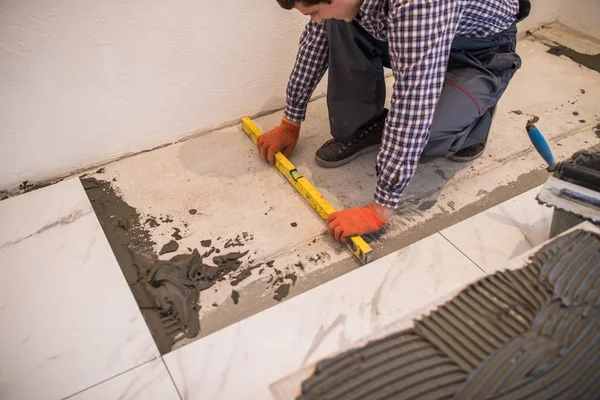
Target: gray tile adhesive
[(532, 333), (167, 291)]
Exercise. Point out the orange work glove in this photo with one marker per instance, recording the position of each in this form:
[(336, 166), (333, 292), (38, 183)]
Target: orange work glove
[(355, 221), (282, 138)]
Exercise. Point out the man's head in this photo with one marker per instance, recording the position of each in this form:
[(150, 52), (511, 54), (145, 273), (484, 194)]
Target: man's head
[(319, 10)]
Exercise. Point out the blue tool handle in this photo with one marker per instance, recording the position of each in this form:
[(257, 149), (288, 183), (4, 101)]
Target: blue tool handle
[(540, 144)]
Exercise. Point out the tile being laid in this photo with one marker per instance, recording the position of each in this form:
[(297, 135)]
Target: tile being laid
[(244, 359), (147, 382), (501, 233), (69, 320)]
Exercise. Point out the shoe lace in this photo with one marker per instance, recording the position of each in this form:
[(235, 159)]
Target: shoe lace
[(341, 146)]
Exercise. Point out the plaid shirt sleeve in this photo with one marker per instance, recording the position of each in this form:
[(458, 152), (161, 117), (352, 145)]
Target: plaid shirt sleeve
[(311, 64), (420, 34)]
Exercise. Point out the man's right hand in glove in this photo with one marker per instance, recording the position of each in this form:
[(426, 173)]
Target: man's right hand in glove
[(282, 138)]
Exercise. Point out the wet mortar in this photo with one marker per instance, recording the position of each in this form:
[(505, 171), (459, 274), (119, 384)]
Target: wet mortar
[(526, 333), (534, 120), (591, 61), (257, 296), (282, 292), (235, 296), (170, 247), (168, 291), (402, 241), (176, 234)]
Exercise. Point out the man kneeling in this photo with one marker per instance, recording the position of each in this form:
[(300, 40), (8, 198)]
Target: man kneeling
[(452, 60)]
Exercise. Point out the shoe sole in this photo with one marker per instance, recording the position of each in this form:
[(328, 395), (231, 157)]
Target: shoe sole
[(335, 164), (475, 157), (465, 159)]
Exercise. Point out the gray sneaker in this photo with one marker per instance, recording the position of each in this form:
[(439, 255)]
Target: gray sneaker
[(334, 153)]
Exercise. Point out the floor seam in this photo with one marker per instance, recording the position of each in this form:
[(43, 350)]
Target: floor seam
[(461, 252), (171, 376), (108, 379)]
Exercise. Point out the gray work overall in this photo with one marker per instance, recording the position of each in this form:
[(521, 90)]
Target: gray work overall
[(479, 71)]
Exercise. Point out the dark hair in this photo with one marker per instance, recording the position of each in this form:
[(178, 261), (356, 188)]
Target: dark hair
[(289, 4)]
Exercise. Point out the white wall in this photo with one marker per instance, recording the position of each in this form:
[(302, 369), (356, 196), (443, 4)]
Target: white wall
[(542, 12), (86, 81), (82, 81), (582, 15)]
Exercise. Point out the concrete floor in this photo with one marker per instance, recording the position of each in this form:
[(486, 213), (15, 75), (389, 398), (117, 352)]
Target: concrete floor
[(220, 175)]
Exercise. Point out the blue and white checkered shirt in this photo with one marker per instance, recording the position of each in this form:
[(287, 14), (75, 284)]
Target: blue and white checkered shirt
[(419, 33)]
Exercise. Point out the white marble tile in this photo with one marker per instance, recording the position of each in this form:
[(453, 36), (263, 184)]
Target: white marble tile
[(501, 233), (523, 259), (35, 211), (69, 320), (242, 360), (147, 382), (289, 386)]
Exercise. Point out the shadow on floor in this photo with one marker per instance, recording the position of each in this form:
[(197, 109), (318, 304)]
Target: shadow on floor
[(424, 190)]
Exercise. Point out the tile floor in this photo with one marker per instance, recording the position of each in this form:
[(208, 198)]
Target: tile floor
[(69, 320), (242, 359), (148, 381), (516, 225), (333, 316), (220, 175), (72, 329)]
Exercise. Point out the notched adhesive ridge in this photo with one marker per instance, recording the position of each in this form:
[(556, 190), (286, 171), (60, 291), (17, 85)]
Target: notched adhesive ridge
[(528, 333)]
